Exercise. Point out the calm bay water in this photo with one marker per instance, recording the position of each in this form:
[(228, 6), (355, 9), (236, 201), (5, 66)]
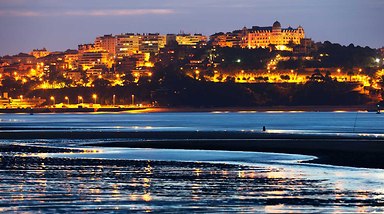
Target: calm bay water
[(300, 122), (63, 175)]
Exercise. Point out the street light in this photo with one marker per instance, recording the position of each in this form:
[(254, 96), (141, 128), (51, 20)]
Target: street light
[(79, 98), (94, 96), (53, 100), (114, 99), (67, 99)]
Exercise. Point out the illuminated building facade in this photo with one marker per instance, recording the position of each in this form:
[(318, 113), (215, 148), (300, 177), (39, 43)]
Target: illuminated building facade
[(262, 37), (129, 44), (190, 39), (71, 57), (88, 60), (87, 48), (38, 53), (152, 43), (237, 38), (106, 43)]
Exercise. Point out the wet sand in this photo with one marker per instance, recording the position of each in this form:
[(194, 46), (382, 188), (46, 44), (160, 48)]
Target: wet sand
[(343, 150)]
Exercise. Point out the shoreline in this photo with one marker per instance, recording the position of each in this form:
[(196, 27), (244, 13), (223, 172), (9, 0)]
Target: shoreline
[(364, 108), (341, 150)]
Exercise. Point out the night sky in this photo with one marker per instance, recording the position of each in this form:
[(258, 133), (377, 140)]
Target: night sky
[(63, 24)]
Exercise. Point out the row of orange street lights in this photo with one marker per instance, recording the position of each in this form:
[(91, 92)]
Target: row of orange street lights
[(94, 96)]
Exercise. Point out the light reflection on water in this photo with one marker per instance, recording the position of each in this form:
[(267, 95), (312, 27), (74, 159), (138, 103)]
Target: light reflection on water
[(292, 122), (142, 180), (264, 182)]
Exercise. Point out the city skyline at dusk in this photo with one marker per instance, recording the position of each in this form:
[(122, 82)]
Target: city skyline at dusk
[(59, 25)]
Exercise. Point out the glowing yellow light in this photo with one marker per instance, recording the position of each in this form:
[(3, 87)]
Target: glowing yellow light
[(339, 70), (33, 72), (100, 76), (147, 197), (148, 64), (197, 72), (52, 98)]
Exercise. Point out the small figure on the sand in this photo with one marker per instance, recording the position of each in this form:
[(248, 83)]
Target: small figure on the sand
[(31, 111), (378, 109), (264, 129)]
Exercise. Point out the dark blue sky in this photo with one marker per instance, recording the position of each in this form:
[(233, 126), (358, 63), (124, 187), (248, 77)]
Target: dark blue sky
[(63, 24)]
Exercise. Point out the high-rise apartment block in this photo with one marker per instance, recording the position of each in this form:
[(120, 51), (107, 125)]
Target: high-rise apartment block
[(129, 44), (106, 43)]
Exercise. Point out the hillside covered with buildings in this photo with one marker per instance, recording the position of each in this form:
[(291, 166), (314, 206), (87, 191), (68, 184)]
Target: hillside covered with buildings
[(256, 66)]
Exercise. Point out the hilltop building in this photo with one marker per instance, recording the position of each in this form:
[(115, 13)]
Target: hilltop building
[(38, 53), (260, 37), (275, 35)]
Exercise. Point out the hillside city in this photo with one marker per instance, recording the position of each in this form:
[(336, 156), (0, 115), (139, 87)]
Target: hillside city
[(256, 66)]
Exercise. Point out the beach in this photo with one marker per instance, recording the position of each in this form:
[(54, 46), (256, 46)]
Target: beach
[(192, 162), (353, 150), (338, 138)]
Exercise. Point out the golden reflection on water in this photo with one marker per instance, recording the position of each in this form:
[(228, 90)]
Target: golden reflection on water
[(197, 171), (133, 197), (274, 174), (147, 182), (147, 197), (116, 186), (274, 208), (241, 174), (196, 191)]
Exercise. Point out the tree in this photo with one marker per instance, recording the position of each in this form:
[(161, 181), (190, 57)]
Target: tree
[(327, 77), (128, 78), (317, 76), (10, 84), (84, 77), (285, 77), (380, 81), (101, 83)]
